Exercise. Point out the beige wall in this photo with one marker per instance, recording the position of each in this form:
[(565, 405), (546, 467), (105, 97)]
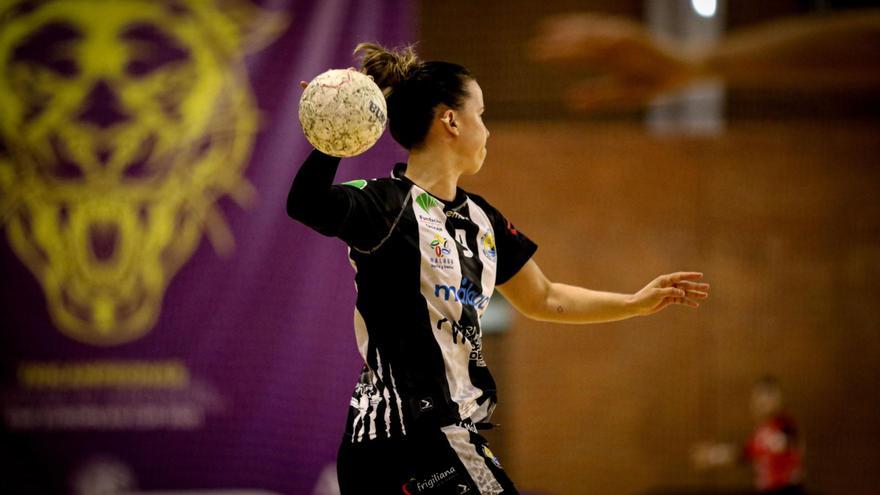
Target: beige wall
[(783, 218)]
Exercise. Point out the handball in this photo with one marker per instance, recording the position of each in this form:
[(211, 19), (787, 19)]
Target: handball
[(342, 112)]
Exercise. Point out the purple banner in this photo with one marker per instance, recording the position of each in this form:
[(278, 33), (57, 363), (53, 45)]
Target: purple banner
[(166, 326)]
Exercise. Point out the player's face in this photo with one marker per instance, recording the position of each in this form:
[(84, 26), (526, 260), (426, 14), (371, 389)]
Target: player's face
[(472, 142)]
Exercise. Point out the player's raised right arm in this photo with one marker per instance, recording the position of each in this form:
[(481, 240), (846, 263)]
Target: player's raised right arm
[(313, 201)]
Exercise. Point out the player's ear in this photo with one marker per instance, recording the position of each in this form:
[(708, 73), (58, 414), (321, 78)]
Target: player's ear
[(447, 117)]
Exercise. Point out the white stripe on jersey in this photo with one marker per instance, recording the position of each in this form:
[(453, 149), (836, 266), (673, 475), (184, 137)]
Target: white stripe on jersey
[(363, 403), (372, 416), (397, 399), (439, 281), (488, 254), (484, 412), (460, 440), (485, 240), (385, 395)]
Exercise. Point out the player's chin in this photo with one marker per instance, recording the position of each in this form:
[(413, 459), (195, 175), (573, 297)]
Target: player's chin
[(478, 163)]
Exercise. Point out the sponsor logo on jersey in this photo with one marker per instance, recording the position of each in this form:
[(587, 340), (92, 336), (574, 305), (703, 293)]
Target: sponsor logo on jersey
[(440, 259), (430, 482), (426, 404), (426, 201), (469, 333), (440, 245), (432, 223), (469, 426), (487, 244), (467, 294), (455, 214)]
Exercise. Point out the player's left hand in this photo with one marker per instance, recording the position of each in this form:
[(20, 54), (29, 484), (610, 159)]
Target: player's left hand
[(673, 288)]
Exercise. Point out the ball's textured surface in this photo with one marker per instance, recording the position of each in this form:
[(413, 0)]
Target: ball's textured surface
[(342, 112)]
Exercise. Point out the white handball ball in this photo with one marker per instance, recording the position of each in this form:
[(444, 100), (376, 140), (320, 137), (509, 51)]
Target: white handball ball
[(342, 112)]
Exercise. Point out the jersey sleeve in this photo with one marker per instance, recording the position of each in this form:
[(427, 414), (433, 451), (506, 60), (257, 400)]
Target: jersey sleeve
[(353, 211), (371, 211), (514, 248)]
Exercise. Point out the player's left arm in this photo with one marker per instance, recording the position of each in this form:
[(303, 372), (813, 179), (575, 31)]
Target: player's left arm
[(535, 296)]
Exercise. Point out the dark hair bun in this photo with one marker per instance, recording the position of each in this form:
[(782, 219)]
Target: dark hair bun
[(387, 67), (413, 89)]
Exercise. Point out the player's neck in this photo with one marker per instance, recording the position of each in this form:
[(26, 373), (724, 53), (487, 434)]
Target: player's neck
[(436, 172)]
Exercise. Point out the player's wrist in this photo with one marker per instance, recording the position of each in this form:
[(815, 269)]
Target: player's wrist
[(633, 305)]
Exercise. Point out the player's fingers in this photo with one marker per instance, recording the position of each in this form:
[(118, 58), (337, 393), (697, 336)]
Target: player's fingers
[(688, 285), (674, 278), (684, 301), (670, 292), (679, 276), (303, 84), (696, 294)]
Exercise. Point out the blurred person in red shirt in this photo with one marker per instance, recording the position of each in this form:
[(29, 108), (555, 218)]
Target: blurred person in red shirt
[(774, 448)]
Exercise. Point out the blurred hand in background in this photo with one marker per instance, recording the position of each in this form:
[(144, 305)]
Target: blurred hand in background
[(627, 67)]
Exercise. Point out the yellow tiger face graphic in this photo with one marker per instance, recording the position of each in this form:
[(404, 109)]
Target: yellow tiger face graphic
[(123, 123)]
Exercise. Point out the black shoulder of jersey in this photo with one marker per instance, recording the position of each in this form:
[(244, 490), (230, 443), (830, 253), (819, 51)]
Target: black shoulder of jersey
[(377, 184), (384, 194), (388, 186)]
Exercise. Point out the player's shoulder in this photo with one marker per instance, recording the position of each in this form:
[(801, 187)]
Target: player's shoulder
[(386, 189), (374, 184)]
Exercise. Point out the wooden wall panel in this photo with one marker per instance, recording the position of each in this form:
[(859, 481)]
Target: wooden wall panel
[(784, 218)]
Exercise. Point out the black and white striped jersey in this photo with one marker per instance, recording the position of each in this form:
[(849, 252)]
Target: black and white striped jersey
[(425, 271)]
